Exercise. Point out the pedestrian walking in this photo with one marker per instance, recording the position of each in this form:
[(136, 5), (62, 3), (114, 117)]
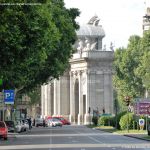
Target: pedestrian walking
[(29, 122)]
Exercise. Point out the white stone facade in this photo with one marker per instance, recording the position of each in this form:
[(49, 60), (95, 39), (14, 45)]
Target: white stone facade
[(87, 86)]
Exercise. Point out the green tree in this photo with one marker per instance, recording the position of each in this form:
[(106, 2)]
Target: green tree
[(36, 42), (125, 80), (35, 96), (143, 70)]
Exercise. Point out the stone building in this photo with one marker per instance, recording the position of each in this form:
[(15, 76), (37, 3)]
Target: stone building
[(146, 20), (87, 86), (146, 17)]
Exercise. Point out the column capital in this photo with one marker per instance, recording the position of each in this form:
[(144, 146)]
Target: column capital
[(72, 73)]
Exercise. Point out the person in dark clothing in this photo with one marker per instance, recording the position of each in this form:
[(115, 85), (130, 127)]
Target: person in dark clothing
[(29, 122), (44, 123), (34, 122)]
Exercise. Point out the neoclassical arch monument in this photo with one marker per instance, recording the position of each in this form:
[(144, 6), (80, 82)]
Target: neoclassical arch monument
[(87, 85)]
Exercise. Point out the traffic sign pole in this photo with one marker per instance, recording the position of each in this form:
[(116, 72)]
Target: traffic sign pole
[(3, 104)]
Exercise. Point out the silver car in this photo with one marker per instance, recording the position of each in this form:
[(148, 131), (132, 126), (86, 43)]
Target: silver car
[(53, 122)]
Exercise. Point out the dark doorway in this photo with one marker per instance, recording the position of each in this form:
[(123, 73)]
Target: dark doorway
[(84, 104)]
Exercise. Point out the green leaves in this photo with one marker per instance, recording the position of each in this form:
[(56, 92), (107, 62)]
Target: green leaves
[(126, 63), (36, 42)]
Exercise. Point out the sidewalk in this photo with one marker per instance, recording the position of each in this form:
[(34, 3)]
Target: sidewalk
[(137, 136), (132, 135)]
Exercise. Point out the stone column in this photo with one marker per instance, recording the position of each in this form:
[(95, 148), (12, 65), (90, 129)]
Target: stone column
[(100, 90), (65, 95), (55, 98), (80, 115), (58, 98), (48, 99), (93, 90), (45, 91), (71, 97), (42, 100), (108, 104), (87, 118)]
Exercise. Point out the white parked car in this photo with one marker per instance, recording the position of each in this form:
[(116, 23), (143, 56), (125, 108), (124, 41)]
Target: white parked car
[(53, 122), (25, 125), (22, 125), (39, 122), (19, 126)]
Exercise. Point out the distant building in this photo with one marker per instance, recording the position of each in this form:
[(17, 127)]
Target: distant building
[(146, 20), (87, 86)]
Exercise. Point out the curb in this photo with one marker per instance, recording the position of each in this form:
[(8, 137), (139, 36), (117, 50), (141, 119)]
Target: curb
[(136, 137), (124, 135)]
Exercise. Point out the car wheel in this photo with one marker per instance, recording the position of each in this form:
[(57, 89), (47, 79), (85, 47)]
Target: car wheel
[(5, 138)]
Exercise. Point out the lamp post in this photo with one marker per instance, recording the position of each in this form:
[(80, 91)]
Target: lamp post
[(127, 100)]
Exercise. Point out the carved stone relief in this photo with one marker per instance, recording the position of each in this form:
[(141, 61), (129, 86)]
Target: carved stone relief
[(86, 44)]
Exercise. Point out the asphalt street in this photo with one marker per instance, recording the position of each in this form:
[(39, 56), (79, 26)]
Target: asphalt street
[(71, 138)]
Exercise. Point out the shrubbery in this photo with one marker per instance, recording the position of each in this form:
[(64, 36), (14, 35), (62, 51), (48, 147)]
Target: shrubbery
[(119, 117), (106, 121), (121, 120), (125, 120), (95, 120)]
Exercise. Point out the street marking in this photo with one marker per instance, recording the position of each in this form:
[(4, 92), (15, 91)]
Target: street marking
[(74, 141), (97, 141), (51, 135), (42, 146)]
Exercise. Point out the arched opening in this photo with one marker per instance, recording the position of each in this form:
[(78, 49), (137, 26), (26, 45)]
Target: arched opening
[(76, 99)]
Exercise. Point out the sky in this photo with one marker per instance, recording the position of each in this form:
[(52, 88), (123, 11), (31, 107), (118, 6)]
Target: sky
[(119, 18)]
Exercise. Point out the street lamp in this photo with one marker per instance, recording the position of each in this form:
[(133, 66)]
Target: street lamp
[(127, 100)]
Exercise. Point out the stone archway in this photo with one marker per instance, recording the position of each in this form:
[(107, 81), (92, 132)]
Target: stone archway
[(76, 99)]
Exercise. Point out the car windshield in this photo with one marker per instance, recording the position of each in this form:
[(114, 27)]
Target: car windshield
[(54, 119), (9, 123), (2, 125)]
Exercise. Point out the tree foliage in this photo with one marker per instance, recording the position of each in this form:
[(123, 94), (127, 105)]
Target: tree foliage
[(36, 41), (126, 80), (104, 121), (125, 120), (143, 70), (35, 96)]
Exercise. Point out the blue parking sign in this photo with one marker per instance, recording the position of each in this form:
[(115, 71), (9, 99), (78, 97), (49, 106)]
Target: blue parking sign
[(9, 96)]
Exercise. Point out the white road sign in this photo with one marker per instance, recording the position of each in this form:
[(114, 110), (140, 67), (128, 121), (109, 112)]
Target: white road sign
[(141, 122)]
